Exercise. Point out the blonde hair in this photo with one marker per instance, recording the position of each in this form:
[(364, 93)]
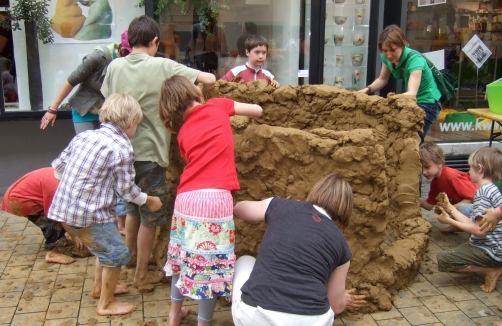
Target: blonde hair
[(430, 152), (176, 95), (120, 109), (490, 158), (334, 194), (392, 35)]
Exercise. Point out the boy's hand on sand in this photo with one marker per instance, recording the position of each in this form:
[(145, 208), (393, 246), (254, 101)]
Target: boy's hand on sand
[(78, 243), (390, 94), (490, 219), (353, 301), (275, 84), (153, 203), (443, 217)]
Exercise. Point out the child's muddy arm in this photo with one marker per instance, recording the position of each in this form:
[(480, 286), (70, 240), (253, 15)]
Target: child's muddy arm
[(491, 217)]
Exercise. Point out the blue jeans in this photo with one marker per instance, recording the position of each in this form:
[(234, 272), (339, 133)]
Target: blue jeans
[(431, 114), (465, 209)]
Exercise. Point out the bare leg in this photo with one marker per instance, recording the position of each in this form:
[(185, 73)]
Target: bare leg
[(98, 280), (107, 304), (497, 323), (54, 256), (146, 237), (491, 275), (177, 313), (450, 229), (121, 224), (132, 224)]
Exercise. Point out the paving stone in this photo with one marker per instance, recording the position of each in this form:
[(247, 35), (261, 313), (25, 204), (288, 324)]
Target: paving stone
[(34, 319), (358, 320), (224, 318), (26, 249), (475, 308), (418, 315), (440, 279), (9, 299), (88, 301), (438, 303), (7, 247), (67, 294), (490, 299), (42, 276), (483, 321), (40, 289), (6, 314), (137, 300), (16, 272), (11, 286), (423, 289), (15, 227), (456, 293), (69, 280), (88, 314), (31, 230), (391, 314), (405, 299), (156, 309), (59, 310), (61, 322), (161, 292), (443, 241), (73, 268), (433, 248), (130, 319), (22, 260), (401, 321), (429, 265), (35, 304), (42, 265), (454, 318)]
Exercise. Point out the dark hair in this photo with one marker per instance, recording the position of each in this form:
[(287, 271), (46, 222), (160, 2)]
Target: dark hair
[(254, 41), (6, 64), (251, 28), (142, 30), (241, 45), (392, 35)]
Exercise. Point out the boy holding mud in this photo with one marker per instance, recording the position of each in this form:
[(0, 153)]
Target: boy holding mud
[(256, 51), (483, 253), (457, 185), (95, 168)]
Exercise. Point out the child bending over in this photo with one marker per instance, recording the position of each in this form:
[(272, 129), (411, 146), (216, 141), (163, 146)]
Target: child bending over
[(95, 168)]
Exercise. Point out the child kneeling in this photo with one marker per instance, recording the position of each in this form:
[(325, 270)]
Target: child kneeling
[(97, 166)]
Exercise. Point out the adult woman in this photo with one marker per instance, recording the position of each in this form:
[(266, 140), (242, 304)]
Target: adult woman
[(418, 78), (299, 275), (87, 100)]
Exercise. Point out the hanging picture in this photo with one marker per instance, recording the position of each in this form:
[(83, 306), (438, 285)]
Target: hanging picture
[(422, 3), (477, 51), (82, 20)]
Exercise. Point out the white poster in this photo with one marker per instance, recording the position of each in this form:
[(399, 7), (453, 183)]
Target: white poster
[(477, 51), (436, 57), (423, 3)]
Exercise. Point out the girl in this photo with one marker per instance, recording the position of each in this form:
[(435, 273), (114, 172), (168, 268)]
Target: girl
[(417, 75), (200, 254), (299, 276)]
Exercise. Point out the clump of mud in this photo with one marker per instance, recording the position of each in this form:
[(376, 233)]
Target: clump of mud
[(442, 201), (309, 131)]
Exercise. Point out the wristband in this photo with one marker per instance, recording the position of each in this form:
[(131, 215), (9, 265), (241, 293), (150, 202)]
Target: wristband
[(52, 110)]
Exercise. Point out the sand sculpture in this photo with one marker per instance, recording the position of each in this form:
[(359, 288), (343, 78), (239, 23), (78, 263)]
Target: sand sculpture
[(309, 131)]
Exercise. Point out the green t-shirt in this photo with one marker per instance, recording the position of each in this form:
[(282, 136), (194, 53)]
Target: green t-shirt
[(428, 91), (141, 76)]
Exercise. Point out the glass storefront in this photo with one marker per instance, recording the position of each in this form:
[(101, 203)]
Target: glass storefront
[(448, 25)]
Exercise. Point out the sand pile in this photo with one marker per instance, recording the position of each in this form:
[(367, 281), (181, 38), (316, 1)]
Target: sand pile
[(309, 131)]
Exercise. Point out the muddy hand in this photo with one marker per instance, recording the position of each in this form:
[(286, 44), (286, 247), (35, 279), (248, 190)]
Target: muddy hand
[(78, 243), (153, 203), (275, 84), (390, 94), (354, 301), (443, 217), (491, 218)]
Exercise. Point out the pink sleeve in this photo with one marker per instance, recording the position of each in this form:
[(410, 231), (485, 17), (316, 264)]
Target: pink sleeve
[(228, 77), (433, 192)]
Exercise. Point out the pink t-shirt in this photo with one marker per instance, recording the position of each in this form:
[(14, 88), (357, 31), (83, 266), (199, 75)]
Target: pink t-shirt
[(207, 143)]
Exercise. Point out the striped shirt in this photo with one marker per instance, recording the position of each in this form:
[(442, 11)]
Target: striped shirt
[(95, 168), (488, 196)]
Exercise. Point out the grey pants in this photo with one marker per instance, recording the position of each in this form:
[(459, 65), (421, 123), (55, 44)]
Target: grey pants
[(84, 126), (206, 306), (454, 259)]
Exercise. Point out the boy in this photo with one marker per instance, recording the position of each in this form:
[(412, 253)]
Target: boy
[(256, 51), (141, 76), (483, 253), (95, 168), (457, 185), (31, 196)]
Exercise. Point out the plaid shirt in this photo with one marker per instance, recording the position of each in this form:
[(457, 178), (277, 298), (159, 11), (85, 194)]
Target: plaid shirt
[(95, 168)]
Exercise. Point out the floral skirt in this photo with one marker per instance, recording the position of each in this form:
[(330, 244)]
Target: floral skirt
[(202, 243)]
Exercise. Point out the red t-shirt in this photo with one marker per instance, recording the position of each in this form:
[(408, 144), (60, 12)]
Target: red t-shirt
[(32, 193), (456, 184), (207, 143)]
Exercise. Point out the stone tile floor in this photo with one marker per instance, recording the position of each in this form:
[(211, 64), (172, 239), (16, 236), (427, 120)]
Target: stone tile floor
[(33, 292)]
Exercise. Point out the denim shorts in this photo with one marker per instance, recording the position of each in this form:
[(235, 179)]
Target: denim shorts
[(120, 209), (151, 178), (105, 242)]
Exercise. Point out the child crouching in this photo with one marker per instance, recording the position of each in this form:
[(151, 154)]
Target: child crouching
[(97, 166)]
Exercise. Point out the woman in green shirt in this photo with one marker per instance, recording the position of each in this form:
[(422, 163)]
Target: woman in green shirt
[(417, 75)]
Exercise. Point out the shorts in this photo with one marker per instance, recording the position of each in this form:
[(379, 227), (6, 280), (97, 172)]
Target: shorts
[(120, 209), (53, 231), (105, 242), (454, 259), (151, 178)]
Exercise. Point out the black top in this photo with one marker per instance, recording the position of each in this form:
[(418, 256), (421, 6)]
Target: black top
[(299, 251)]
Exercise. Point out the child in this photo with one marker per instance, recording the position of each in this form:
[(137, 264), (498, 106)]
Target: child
[(31, 196), (95, 168), (483, 254), (457, 185), (200, 254), (9, 87), (141, 75), (256, 50)]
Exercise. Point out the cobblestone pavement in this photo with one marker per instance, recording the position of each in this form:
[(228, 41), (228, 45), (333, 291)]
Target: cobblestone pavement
[(33, 292)]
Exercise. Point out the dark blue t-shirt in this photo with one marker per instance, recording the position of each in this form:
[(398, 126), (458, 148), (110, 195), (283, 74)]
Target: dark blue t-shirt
[(299, 251)]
